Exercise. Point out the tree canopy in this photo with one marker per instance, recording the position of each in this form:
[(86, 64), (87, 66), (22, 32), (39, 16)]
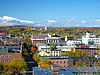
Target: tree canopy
[(36, 57), (45, 62), (14, 66)]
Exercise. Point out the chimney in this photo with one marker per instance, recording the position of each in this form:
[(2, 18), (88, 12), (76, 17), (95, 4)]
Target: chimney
[(73, 49), (55, 67)]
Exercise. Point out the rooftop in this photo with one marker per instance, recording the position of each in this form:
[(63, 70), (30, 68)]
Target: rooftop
[(65, 70)]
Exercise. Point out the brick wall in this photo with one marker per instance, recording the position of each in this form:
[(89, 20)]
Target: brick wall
[(8, 57), (63, 63)]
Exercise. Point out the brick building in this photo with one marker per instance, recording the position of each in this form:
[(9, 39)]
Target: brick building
[(38, 39), (8, 57), (62, 61), (90, 51), (3, 32)]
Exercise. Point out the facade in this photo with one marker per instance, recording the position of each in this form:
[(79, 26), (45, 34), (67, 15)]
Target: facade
[(41, 39), (91, 38), (10, 49), (56, 70), (53, 39), (90, 51), (55, 52), (43, 53), (73, 42), (8, 57), (62, 61), (10, 45), (3, 32), (45, 28), (38, 39), (68, 38), (62, 48)]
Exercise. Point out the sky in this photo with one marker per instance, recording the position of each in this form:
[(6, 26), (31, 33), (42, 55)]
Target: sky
[(43, 10)]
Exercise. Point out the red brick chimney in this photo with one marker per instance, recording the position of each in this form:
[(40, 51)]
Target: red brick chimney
[(55, 67)]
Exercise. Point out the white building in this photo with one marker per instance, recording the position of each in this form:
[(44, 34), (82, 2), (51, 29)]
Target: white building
[(53, 39), (55, 52), (73, 42), (90, 37), (43, 28), (62, 48)]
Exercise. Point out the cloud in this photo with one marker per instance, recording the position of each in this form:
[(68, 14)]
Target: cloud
[(71, 20), (97, 20), (68, 22), (51, 21), (82, 21), (6, 20)]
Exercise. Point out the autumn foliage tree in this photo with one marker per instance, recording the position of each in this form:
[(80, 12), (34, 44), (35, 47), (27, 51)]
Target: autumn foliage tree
[(33, 49), (1, 67), (36, 57), (18, 65), (14, 66), (81, 63), (77, 53), (45, 62)]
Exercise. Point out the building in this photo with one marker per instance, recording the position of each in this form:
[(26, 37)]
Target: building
[(62, 61), (38, 28), (43, 53), (8, 57), (91, 38), (10, 48), (73, 42), (55, 52), (62, 48), (3, 32), (10, 45), (41, 39), (90, 51), (38, 39), (56, 70), (68, 38), (53, 39)]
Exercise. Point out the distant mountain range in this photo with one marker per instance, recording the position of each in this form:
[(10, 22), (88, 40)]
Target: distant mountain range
[(69, 22)]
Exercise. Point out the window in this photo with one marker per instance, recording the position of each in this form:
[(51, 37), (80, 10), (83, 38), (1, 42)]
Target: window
[(64, 61), (53, 62)]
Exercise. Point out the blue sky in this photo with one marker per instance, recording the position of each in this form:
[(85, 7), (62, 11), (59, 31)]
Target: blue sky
[(65, 13), (41, 10)]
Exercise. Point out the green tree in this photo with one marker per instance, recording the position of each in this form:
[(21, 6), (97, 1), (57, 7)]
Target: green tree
[(68, 53), (18, 65), (29, 42), (97, 64), (45, 62), (71, 54), (81, 63), (36, 57), (25, 52), (7, 68), (1, 67), (80, 53), (52, 46)]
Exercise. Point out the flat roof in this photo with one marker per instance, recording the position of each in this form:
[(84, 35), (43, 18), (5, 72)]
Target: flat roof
[(65, 70)]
